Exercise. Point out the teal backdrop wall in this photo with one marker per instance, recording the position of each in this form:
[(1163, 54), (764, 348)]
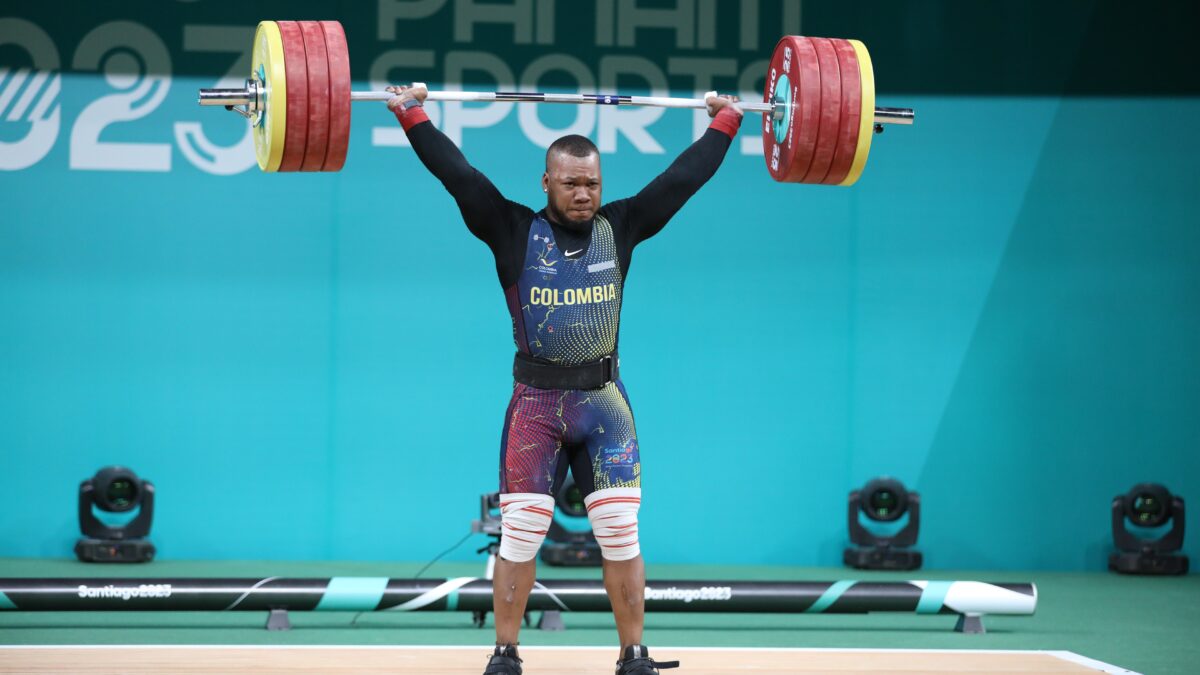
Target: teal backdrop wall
[(1003, 313)]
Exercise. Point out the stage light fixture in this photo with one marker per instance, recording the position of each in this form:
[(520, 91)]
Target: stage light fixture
[(115, 490), (883, 502), (1150, 508), (570, 547)]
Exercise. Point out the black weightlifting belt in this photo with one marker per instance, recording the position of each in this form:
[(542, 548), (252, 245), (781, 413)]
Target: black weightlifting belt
[(592, 375)]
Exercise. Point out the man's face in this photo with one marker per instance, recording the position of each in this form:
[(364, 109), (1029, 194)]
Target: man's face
[(572, 187)]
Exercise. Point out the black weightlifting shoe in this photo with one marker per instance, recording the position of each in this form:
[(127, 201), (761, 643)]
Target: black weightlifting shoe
[(504, 661), (637, 661)]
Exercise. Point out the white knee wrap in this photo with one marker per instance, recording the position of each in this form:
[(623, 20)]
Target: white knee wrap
[(613, 514), (525, 517)]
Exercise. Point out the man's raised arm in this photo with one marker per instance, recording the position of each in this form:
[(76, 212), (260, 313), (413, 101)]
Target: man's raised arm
[(650, 209), (486, 212)]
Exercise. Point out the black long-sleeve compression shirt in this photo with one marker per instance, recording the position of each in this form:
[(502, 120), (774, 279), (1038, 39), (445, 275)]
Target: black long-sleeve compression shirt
[(504, 225)]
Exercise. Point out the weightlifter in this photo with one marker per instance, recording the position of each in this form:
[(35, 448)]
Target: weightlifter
[(562, 270)]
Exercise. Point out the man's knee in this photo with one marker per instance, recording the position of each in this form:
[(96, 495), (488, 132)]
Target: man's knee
[(525, 519), (613, 515)]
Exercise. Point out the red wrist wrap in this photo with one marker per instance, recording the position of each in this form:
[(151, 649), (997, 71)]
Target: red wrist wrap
[(727, 122), (411, 117)]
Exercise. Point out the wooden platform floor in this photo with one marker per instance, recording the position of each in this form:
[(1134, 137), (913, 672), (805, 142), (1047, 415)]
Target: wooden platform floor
[(257, 660)]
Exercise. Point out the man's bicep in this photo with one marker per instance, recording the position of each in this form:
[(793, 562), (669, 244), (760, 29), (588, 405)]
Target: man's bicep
[(487, 214), (651, 208), (470, 188)]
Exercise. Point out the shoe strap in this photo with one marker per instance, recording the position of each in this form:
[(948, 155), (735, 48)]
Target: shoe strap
[(640, 666)]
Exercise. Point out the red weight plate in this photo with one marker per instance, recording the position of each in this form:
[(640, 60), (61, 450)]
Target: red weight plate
[(778, 154), (318, 96), (843, 155), (296, 69), (809, 106), (831, 111), (339, 95), (789, 159)]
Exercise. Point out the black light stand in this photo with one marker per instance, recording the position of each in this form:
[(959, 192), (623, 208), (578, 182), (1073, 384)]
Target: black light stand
[(883, 500), (1148, 505), (115, 489)]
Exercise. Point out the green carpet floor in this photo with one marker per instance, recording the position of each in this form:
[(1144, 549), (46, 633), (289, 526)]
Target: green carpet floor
[(1151, 625)]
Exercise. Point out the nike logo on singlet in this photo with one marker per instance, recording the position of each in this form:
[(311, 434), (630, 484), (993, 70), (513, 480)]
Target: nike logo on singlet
[(571, 253)]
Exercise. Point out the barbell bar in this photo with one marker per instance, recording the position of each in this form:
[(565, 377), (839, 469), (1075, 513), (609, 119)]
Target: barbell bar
[(248, 96), (818, 104)]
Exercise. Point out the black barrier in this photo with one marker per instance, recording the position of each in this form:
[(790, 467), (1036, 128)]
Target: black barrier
[(966, 598)]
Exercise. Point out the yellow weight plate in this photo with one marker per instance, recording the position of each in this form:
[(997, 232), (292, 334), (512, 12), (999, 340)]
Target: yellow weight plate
[(267, 67), (866, 124)]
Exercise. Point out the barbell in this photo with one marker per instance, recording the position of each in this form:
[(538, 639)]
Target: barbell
[(818, 103)]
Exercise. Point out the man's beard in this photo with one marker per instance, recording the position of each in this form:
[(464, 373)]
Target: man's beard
[(561, 219)]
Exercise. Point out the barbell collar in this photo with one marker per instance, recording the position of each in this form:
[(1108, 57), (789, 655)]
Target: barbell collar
[(225, 97), (249, 96), (894, 115)]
